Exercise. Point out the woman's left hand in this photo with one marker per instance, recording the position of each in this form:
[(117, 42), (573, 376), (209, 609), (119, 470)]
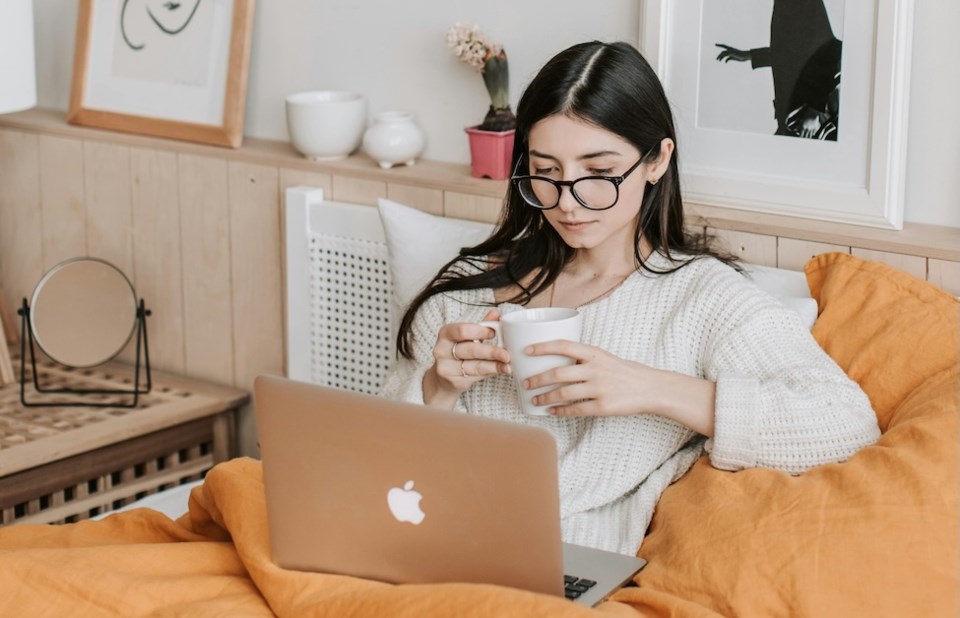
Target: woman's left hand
[(599, 384)]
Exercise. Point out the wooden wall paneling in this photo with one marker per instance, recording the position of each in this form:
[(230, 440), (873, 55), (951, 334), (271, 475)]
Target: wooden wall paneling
[(427, 200), (107, 192), (257, 274), (256, 260), (913, 264), (21, 224), (62, 201), (925, 240), (156, 253), (693, 228), (944, 274), (749, 247), (472, 207), (358, 190), (205, 257), (792, 254)]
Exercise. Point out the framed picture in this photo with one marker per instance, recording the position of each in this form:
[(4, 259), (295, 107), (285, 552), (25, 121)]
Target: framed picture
[(792, 107), (168, 69)]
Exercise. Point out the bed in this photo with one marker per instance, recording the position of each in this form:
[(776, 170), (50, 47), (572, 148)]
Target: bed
[(876, 535)]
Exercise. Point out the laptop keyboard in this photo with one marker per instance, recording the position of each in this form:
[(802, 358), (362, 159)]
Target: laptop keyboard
[(574, 586)]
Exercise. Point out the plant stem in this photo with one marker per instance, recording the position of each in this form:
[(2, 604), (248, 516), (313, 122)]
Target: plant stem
[(496, 77)]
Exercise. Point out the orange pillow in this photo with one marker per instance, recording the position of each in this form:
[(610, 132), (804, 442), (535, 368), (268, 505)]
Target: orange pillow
[(873, 536), (888, 330)]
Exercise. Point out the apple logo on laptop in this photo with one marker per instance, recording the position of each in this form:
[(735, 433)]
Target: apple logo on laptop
[(405, 504)]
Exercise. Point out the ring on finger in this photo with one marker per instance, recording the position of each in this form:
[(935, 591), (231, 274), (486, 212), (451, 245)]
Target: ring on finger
[(453, 351), (463, 372)]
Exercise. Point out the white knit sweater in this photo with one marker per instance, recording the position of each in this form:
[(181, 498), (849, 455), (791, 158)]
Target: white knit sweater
[(781, 402)]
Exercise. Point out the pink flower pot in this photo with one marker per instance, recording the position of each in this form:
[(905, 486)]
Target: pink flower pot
[(490, 153)]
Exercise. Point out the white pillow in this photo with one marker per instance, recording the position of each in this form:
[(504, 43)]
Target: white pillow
[(420, 244), (787, 286)]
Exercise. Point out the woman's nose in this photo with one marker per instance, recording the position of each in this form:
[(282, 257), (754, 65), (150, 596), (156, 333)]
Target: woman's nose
[(567, 202)]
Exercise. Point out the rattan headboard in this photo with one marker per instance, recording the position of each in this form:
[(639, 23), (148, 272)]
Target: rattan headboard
[(338, 292)]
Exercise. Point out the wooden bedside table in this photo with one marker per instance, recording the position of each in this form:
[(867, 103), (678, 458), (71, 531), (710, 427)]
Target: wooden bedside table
[(66, 464)]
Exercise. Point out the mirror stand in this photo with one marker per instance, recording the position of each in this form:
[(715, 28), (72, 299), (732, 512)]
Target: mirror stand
[(26, 332)]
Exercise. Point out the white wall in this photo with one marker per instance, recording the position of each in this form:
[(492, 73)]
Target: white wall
[(933, 151), (395, 53)]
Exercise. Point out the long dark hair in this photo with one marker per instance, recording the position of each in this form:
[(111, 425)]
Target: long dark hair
[(609, 85)]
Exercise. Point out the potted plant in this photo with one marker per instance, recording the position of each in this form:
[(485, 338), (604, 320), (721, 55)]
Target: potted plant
[(491, 142)]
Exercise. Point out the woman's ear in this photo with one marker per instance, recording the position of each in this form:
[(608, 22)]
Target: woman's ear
[(658, 168)]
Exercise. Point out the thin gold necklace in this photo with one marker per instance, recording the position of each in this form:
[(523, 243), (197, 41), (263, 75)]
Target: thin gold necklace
[(553, 288)]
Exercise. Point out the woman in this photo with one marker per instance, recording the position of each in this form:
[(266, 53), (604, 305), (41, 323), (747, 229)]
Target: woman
[(677, 345)]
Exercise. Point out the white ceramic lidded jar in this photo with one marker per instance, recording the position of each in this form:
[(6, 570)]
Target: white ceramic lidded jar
[(393, 139)]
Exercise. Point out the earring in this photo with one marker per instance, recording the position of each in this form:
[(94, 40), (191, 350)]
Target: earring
[(654, 181)]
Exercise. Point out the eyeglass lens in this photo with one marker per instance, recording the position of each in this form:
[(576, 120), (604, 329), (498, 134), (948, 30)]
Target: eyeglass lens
[(597, 193)]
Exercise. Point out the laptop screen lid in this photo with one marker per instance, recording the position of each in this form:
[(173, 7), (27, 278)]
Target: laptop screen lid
[(365, 486)]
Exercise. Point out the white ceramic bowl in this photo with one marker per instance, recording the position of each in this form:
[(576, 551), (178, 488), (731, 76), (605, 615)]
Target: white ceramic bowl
[(326, 124)]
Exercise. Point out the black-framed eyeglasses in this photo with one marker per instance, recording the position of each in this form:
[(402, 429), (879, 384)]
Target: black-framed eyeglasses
[(591, 192)]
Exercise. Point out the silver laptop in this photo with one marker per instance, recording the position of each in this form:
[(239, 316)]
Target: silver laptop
[(364, 486)]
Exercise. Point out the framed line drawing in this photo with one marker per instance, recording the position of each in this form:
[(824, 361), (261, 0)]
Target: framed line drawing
[(791, 107), (168, 69)]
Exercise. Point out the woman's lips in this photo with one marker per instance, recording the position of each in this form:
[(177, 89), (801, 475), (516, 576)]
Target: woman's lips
[(575, 225)]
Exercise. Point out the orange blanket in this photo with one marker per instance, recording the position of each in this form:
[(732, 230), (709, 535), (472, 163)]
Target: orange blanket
[(874, 536), (214, 561)]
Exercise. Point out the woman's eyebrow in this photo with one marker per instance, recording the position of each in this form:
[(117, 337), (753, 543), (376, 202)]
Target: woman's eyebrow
[(537, 153), (590, 155), (597, 155)]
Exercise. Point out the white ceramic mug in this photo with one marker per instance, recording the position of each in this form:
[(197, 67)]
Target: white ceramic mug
[(518, 329)]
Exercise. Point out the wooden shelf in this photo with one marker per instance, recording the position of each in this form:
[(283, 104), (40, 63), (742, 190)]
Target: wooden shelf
[(426, 173), (931, 241)]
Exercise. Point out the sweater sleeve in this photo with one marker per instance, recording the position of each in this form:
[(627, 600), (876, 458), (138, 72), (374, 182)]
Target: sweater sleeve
[(404, 379), (781, 401)]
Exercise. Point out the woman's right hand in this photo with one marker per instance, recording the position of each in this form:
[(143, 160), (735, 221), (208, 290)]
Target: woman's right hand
[(461, 358)]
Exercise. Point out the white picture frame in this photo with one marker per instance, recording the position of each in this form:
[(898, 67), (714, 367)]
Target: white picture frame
[(179, 76), (857, 179)]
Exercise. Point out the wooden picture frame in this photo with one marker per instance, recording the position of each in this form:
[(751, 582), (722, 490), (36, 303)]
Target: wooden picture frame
[(855, 176), (159, 77)]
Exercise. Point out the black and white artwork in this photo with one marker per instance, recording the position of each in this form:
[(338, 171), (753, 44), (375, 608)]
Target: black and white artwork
[(169, 68), (772, 67), (164, 40), (759, 88)]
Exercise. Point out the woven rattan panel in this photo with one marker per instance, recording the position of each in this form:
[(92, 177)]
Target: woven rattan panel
[(350, 332)]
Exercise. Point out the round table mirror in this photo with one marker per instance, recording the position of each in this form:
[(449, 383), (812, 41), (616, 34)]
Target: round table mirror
[(83, 312)]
